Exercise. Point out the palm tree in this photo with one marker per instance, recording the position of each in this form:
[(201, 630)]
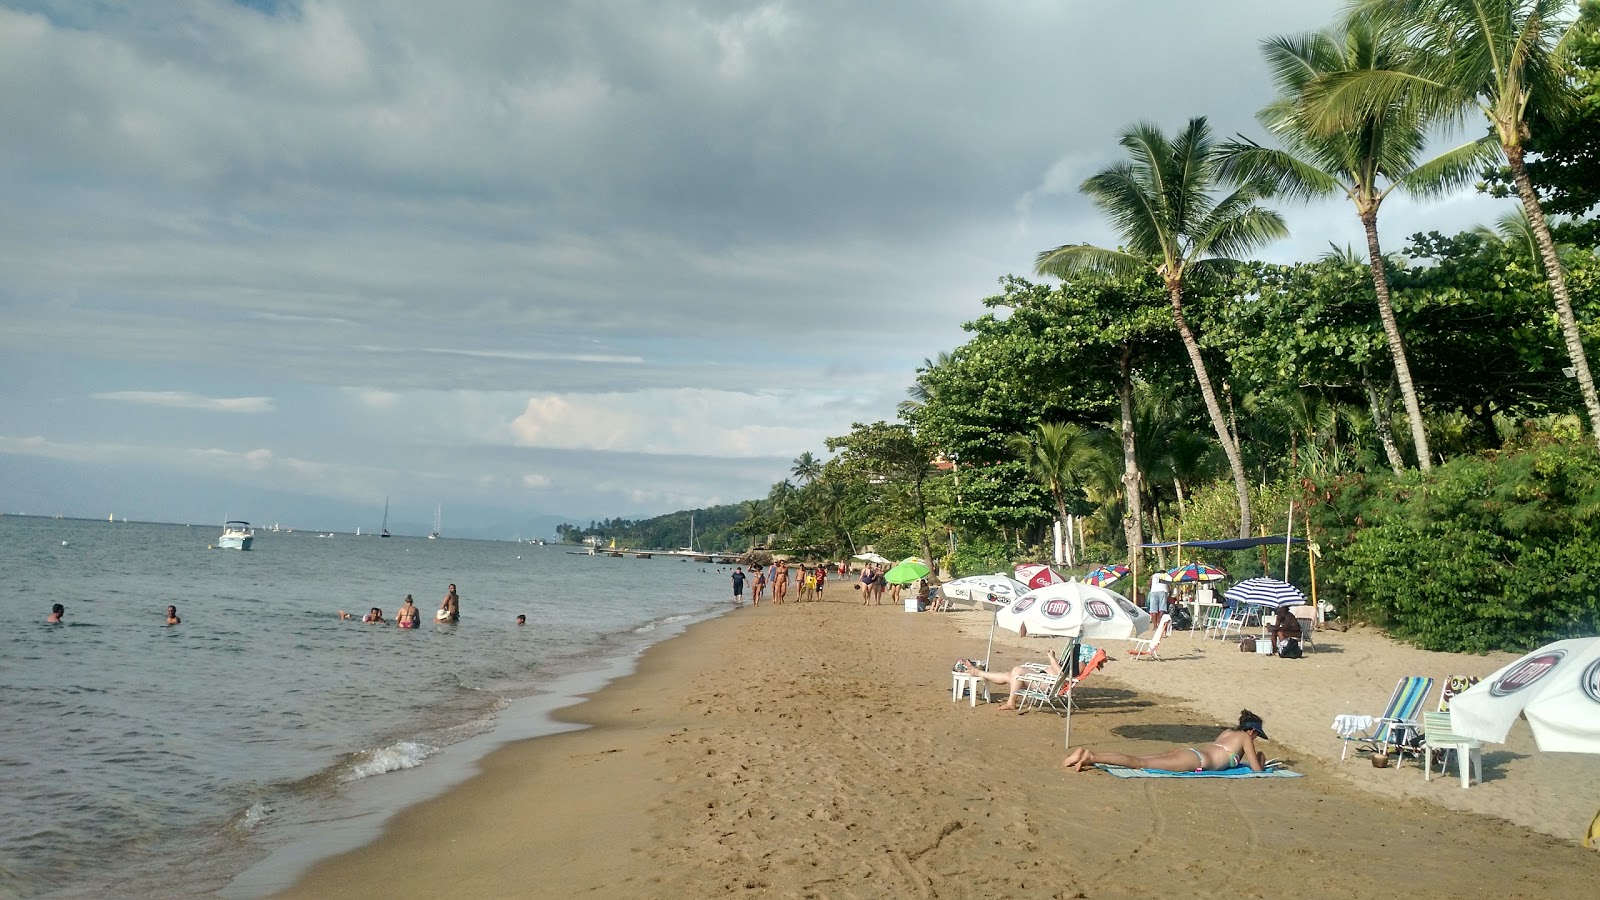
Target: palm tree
[(1500, 57), (1055, 453), (1365, 161), (807, 468), (921, 391), (1162, 202)]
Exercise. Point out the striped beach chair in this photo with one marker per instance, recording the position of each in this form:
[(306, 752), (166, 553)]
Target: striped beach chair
[(1402, 713)]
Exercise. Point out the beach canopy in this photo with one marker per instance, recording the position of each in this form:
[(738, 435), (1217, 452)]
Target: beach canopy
[(1105, 575), (1037, 575), (910, 569), (1074, 608), (1557, 687), (1230, 543), (998, 589), (1263, 591), (1193, 572)]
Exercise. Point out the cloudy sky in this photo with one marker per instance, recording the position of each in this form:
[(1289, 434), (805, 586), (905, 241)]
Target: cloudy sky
[(282, 259)]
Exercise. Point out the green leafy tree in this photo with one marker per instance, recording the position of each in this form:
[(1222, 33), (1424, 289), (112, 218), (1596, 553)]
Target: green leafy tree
[(1055, 453), (1376, 154), (896, 460), (1163, 201), (807, 468), (1496, 56)]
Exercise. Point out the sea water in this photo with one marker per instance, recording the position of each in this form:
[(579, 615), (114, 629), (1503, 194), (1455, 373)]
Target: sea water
[(138, 759)]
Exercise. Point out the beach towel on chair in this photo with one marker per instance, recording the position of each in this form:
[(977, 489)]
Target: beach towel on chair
[(1235, 772)]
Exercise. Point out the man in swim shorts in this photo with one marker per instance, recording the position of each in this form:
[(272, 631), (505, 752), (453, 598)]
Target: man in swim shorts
[(738, 585)]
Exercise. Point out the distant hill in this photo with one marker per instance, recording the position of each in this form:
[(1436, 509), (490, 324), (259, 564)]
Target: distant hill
[(713, 530)]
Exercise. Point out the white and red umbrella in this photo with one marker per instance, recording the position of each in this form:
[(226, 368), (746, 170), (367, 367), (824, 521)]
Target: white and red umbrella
[(1074, 608), (1556, 686), (1037, 575), (998, 589)]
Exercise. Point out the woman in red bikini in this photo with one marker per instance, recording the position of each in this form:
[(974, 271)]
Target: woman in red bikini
[(1233, 747)]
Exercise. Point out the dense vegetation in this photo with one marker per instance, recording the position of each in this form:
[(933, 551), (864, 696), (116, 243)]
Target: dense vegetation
[(1428, 408)]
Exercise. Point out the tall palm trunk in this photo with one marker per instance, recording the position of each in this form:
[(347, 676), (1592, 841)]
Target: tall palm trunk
[(1133, 518), (1557, 277), (1230, 447), (1397, 347)]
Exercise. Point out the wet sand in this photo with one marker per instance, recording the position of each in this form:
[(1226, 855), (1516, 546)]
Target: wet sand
[(812, 751)]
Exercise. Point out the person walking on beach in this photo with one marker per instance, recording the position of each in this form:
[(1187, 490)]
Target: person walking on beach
[(407, 616), (738, 585), (56, 612), (761, 585), (867, 578), (780, 583), (822, 581), (451, 606), (172, 616)]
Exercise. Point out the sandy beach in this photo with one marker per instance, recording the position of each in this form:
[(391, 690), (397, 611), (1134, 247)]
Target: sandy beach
[(813, 751)]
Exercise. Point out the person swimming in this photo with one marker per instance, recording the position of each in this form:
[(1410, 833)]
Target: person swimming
[(56, 612), (172, 616), (1233, 747)]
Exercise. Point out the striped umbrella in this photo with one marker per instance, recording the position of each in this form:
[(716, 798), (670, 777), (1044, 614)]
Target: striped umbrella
[(1106, 574), (1269, 592), (1194, 572)]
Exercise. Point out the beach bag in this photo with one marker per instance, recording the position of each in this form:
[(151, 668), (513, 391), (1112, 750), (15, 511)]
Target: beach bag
[(1248, 644), (1181, 619), (1290, 649)]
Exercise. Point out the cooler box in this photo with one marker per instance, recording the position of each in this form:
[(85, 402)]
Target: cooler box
[(911, 603)]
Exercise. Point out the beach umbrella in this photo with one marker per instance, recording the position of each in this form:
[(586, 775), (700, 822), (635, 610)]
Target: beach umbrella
[(1264, 591), (1038, 575), (1557, 687), (1105, 575), (872, 558), (1193, 572), (1074, 608), (909, 570), (998, 589)]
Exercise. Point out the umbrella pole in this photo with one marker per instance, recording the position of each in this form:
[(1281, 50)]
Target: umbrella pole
[(1066, 739), (990, 649), (1288, 541)]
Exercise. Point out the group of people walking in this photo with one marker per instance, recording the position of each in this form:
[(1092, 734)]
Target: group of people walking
[(808, 581)]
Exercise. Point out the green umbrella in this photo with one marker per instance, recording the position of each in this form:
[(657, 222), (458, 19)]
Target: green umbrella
[(909, 570)]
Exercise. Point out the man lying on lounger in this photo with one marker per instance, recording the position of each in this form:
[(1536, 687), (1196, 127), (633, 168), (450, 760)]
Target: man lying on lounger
[(1232, 747)]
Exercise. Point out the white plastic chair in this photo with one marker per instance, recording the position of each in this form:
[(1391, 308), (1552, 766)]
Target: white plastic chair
[(1438, 738), (1149, 648)]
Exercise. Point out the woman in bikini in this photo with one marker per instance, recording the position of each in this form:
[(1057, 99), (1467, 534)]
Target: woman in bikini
[(1233, 747), (1011, 680), (407, 616)]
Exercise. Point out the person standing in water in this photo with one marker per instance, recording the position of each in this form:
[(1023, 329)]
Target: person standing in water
[(407, 615), (172, 616), (56, 612), (452, 606)]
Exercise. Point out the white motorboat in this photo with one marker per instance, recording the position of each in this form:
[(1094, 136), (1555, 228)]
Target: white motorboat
[(236, 535)]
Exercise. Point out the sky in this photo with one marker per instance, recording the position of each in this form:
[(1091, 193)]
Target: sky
[(535, 261)]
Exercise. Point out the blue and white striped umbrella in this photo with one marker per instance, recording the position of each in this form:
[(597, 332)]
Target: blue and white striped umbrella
[(1269, 592)]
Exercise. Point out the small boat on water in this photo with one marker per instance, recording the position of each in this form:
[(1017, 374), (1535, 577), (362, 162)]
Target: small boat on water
[(385, 532), (236, 535), (438, 520)]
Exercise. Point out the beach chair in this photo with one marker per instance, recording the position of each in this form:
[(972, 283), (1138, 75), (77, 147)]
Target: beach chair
[(1228, 622), (1402, 714), (1043, 689), (1454, 685), (1150, 647), (1305, 615), (1438, 737)]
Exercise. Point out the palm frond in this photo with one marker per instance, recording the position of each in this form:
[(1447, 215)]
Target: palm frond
[(1286, 175), (1453, 168), (1078, 259)]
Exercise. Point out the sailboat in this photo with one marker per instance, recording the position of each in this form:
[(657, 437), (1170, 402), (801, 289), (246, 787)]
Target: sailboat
[(385, 531), (438, 515)]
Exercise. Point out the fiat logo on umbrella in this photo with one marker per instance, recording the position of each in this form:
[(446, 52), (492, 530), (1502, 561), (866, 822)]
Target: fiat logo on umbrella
[(1591, 681), (1023, 604), (1526, 672), (1057, 608), (1099, 609)]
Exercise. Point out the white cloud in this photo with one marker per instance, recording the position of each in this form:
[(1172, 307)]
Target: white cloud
[(187, 400), (535, 481)]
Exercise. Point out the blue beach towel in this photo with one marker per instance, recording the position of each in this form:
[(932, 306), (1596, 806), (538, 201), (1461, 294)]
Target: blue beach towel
[(1235, 772)]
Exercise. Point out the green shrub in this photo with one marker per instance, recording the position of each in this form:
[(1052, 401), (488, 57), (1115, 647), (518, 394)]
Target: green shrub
[(1493, 552)]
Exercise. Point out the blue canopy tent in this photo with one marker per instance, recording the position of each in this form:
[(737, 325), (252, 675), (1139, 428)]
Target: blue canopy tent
[(1286, 540)]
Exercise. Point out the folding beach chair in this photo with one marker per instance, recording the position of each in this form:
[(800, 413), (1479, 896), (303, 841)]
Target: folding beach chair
[(1056, 691), (1402, 714), (1150, 647)]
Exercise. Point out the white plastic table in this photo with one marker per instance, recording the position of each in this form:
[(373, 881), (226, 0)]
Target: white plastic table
[(962, 682)]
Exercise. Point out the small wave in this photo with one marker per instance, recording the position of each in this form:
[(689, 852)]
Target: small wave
[(648, 627), (253, 816), (402, 755)]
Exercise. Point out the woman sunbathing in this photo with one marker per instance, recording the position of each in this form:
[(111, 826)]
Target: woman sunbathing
[(1232, 747), (1013, 679)]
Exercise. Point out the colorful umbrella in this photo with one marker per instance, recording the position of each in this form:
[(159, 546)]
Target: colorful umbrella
[(1557, 688), (1074, 608), (1038, 575), (909, 570), (1262, 591), (1193, 572), (1106, 574)]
